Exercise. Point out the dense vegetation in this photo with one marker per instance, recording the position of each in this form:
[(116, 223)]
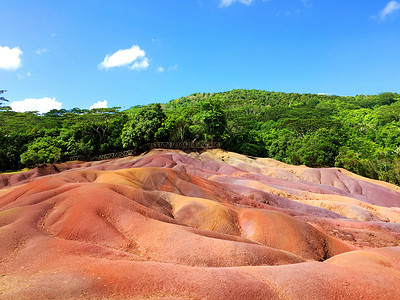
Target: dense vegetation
[(361, 133)]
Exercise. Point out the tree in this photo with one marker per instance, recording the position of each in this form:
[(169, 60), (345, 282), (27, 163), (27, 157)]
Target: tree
[(317, 149), (41, 152), (177, 126), (361, 133), (249, 143), (141, 128), (2, 99), (90, 132), (9, 151), (387, 98), (213, 118), (389, 113)]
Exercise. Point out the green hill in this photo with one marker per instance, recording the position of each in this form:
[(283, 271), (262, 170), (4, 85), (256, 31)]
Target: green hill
[(361, 133)]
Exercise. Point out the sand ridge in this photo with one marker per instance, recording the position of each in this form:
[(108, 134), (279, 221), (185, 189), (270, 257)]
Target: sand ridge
[(211, 225)]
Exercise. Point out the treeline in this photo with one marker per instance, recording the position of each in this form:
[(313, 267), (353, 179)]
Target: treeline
[(361, 133)]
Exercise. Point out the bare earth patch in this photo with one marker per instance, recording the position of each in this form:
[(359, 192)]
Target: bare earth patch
[(216, 225)]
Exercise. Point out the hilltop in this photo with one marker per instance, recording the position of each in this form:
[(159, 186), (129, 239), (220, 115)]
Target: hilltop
[(360, 133)]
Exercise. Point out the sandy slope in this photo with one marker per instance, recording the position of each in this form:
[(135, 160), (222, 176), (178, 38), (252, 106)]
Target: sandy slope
[(215, 225)]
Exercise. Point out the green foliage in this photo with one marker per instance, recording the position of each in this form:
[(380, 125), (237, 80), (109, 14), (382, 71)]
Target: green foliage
[(387, 98), (9, 151), (76, 131), (142, 126), (178, 126), (249, 143), (213, 118), (389, 113), (316, 149), (361, 133), (91, 132), (41, 152)]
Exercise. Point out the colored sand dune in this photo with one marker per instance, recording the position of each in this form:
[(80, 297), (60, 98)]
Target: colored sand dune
[(216, 225)]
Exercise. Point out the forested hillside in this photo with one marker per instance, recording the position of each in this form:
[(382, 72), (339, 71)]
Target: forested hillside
[(361, 133)]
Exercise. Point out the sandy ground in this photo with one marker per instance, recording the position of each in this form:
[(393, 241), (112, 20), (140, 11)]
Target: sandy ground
[(215, 225)]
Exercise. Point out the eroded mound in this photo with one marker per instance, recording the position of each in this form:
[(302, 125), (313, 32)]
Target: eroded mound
[(217, 225)]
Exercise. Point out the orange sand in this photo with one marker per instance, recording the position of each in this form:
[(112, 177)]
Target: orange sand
[(216, 225)]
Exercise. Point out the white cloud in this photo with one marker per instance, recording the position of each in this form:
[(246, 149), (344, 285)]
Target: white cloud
[(160, 69), (226, 3), (41, 105), (390, 8), (123, 57), (140, 64), (99, 104), (10, 58), (41, 50)]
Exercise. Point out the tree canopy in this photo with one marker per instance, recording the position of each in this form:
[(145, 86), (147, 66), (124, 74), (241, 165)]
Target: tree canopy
[(360, 133)]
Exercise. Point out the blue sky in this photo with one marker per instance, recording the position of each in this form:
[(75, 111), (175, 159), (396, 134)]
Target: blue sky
[(76, 53)]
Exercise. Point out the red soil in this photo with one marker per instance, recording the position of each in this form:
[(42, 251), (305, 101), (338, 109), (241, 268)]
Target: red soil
[(211, 226)]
